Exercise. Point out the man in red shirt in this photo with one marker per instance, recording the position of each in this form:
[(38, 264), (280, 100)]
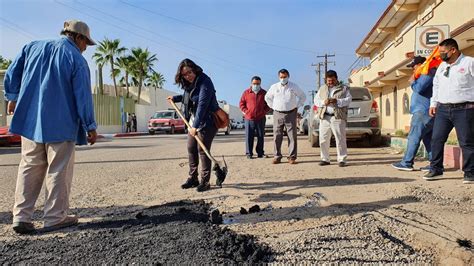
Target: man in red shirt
[(254, 107)]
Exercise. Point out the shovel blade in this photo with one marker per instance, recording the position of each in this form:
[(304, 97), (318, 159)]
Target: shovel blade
[(221, 172)]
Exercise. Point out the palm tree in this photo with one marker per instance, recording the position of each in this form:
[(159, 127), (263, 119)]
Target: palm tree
[(124, 64), (108, 50), (156, 80), (142, 63), (100, 60), (4, 63)]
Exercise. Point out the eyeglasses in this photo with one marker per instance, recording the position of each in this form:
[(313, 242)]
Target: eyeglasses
[(446, 72), (187, 73)]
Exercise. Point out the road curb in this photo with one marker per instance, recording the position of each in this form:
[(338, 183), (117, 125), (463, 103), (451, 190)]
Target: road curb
[(122, 135)]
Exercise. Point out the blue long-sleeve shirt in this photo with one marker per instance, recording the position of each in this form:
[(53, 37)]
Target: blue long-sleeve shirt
[(422, 91), (50, 82)]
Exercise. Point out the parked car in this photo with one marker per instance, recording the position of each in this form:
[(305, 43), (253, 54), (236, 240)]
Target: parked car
[(239, 125), (269, 121), (167, 121), (7, 138), (303, 123), (363, 120), (226, 130)]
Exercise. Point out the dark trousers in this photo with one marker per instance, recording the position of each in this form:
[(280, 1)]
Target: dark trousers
[(195, 152), (254, 128), (462, 119)]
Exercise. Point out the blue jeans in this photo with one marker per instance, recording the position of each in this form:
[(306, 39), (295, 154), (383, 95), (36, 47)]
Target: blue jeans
[(421, 128), (254, 128), (462, 119)]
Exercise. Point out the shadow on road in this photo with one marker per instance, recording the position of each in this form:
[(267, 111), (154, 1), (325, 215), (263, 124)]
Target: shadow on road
[(318, 182)]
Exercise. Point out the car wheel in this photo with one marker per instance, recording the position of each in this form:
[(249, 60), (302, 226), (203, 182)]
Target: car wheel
[(151, 132), (172, 129), (314, 140)]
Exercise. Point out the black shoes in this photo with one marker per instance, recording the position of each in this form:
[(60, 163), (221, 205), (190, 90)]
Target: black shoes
[(204, 186), (468, 178), (23, 228), (323, 163), (342, 164), (432, 175), (190, 183), (249, 157)]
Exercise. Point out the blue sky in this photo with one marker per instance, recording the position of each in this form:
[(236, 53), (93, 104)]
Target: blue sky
[(232, 40)]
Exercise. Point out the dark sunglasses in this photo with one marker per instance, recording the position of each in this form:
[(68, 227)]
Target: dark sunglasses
[(446, 72)]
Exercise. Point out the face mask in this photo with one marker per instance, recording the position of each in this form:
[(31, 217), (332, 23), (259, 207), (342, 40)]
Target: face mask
[(255, 88), (444, 57), (284, 81)]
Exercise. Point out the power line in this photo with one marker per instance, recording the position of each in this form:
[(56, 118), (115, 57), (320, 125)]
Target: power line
[(154, 41), (233, 64), (163, 36), (326, 62), (18, 29), (318, 72), (219, 32), (144, 37)]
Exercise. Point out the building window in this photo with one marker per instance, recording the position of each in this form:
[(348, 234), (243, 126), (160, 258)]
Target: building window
[(406, 104), (387, 107)]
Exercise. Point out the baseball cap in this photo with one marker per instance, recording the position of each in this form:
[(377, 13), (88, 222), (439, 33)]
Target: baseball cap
[(417, 60), (80, 27)]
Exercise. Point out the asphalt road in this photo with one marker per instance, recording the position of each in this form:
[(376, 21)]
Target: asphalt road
[(364, 213)]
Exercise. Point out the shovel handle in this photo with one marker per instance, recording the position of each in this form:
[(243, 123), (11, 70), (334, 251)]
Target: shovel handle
[(198, 139)]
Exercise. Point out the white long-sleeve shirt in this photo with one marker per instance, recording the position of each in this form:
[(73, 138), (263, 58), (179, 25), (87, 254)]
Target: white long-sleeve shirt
[(285, 97), (458, 85), (342, 102)]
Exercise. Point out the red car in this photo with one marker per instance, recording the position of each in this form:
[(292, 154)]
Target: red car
[(7, 138), (167, 121)]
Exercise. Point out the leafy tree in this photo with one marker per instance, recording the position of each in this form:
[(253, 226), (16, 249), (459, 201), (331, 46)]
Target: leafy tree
[(4, 63), (107, 51), (142, 62)]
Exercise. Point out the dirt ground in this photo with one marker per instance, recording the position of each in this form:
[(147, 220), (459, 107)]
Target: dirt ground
[(367, 212)]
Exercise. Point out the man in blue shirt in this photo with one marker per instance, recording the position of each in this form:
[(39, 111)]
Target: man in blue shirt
[(49, 94), (421, 126)]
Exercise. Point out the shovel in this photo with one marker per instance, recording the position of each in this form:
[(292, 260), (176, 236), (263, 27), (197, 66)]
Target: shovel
[(219, 170)]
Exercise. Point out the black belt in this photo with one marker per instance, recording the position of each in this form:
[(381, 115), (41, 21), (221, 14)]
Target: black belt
[(329, 114), (456, 105), (286, 112)]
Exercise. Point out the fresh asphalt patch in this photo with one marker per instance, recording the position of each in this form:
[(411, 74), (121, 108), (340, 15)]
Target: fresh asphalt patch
[(178, 232)]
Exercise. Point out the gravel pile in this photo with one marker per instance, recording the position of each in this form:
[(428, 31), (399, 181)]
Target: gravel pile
[(426, 195), (361, 240), (175, 233)]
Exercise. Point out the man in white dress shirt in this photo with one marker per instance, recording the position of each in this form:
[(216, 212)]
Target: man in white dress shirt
[(285, 98), (452, 105), (332, 101)]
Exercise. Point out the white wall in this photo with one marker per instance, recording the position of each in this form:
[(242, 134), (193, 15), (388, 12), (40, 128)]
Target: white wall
[(158, 102), (235, 113), (108, 129)]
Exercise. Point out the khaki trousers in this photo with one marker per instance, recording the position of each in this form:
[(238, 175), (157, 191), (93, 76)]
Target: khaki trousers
[(328, 126), (51, 163)]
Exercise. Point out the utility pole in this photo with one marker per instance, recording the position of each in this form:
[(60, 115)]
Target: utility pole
[(326, 62)]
